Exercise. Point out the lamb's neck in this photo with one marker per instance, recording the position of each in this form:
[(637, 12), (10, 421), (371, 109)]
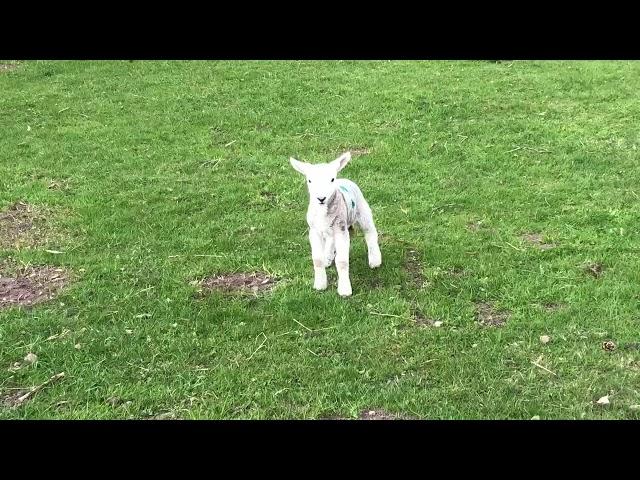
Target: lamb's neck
[(322, 216), (318, 210)]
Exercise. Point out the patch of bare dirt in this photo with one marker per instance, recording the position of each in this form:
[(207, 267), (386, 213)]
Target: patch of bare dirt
[(537, 240), (372, 415), (380, 415), (11, 399), (475, 226), (413, 267), (240, 282), (595, 269), (609, 346), (634, 365), (58, 184), (115, 401), (267, 195), (359, 151), (63, 405), (457, 272), (552, 306), (23, 225), (164, 416), (488, 316), (7, 67), (16, 397), (27, 286), (423, 321), (373, 281)]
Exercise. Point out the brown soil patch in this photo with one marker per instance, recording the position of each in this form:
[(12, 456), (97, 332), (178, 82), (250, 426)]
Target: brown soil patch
[(269, 196), (359, 151), (240, 282), (16, 397), (22, 225), (30, 285), (11, 399), (422, 320), (457, 272), (372, 415), (380, 415), (552, 306), (7, 67), (413, 267), (489, 316), (475, 226), (373, 280), (114, 401), (58, 184), (609, 346), (536, 240), (594, 269), (164, 416)]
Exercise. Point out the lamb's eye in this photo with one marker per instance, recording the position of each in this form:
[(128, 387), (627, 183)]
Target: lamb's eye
[(309, 181), (332, 179)]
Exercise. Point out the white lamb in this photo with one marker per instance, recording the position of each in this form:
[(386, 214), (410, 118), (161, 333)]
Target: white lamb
[(335, 204)]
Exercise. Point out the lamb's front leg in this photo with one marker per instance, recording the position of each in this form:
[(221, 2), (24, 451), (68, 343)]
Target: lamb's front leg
[(342, 261), (329, 250), (319, 261)]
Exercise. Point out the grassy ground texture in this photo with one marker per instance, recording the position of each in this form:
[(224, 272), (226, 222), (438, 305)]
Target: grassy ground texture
[(506, 194)]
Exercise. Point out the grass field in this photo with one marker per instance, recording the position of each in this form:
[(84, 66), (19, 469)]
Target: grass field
[(505, 192)]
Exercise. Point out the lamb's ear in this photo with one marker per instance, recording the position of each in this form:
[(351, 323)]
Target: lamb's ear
[(342, 161), (299, 166)]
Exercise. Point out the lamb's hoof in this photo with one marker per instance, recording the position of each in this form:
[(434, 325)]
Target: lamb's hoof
[(320, 285), (375, 261), (344, 291)]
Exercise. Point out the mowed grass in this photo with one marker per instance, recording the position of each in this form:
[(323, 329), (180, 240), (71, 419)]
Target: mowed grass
[(173, 171)]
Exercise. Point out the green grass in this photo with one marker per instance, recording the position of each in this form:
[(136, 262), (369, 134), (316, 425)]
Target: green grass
[(174, 158)]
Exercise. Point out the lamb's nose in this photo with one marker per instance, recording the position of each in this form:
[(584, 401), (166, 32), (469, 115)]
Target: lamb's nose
[(321, 200)]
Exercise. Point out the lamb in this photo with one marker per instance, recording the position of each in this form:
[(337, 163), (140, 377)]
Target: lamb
[(336, 204)]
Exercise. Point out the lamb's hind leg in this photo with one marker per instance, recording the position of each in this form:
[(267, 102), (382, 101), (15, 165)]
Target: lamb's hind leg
[(365, 222), (342, 261)]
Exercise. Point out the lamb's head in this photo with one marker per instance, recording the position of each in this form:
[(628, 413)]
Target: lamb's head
[(321, 177)]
